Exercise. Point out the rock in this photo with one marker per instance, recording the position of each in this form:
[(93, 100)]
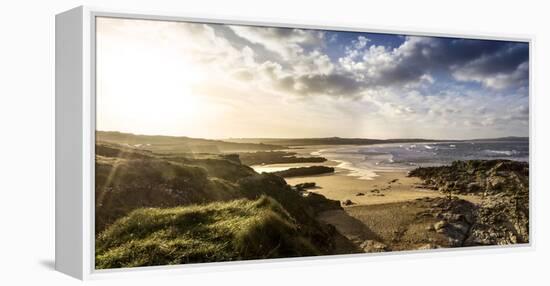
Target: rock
[(502, 173), (440, 226), (473, 187), (502, 217), (347, 203), (422, 214), (232, 157), (496, 183), (373, 246), (452, 217), (454, 242), (360, 194), (304, 186), (428, 246), (461, 227)]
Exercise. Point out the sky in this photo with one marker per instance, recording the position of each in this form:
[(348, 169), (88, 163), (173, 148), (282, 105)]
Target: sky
[(230, 81)]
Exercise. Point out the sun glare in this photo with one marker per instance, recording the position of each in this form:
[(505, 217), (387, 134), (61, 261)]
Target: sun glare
[(151, 81)]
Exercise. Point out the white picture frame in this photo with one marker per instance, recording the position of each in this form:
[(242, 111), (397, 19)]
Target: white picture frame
[(75, 129)]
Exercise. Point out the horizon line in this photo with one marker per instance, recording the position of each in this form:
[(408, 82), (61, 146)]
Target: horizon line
[(327, 137)]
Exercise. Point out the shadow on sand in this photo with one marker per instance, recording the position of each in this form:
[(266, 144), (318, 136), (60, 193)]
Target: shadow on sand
[(352, 229)]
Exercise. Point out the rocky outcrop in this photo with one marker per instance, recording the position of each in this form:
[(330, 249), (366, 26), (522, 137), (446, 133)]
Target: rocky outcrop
[(304, 171), (454, 219), (276, 157), (486, 177), (500, 220), (503, 215)]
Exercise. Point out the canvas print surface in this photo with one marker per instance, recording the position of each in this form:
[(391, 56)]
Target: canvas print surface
[(219, 142)]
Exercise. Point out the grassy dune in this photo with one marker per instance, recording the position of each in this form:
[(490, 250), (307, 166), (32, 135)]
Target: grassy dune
[(154, 209), (235, 230)]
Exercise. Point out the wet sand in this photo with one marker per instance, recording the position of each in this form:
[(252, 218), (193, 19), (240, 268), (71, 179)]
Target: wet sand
[(387, 187)]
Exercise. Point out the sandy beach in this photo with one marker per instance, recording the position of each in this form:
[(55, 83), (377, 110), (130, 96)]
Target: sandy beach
[(383, 207), (386, 187)]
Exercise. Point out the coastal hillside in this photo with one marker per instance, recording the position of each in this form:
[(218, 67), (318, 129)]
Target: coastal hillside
[(131, 181), (222, 231), (323, 141), (178, 144), (359, 141)]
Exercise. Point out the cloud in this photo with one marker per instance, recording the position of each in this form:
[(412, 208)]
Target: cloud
[(391, 82), (321, 84), (286, 42), (519, 77), (361, 42), (297, 81), (302, 68), (350, 84), (495, 64), (313, 63)]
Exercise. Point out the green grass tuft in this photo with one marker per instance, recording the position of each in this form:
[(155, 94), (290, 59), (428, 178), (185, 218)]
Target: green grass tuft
[(221, 231)]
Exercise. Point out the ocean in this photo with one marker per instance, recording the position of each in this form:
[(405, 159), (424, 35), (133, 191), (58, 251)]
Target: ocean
[(365, 161)]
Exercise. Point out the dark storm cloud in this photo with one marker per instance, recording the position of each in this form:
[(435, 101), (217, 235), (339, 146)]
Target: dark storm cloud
[(504, 60), (466, 59)]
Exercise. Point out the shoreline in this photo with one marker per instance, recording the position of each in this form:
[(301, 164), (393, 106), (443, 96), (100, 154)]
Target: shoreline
[(379, 187), (346, 184)]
